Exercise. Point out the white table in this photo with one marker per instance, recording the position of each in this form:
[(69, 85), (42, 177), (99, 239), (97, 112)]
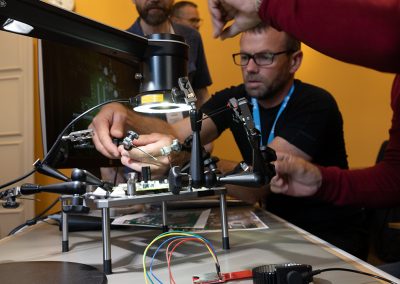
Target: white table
[(281, 243)]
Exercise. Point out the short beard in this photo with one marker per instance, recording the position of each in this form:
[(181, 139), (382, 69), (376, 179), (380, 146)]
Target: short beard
[(161, 17), (270, 92)]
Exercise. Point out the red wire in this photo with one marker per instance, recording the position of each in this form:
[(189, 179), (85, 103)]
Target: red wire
[(171, 278), (169, 254)]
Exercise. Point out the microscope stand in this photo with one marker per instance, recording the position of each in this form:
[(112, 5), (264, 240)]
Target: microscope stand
[(106, 204)]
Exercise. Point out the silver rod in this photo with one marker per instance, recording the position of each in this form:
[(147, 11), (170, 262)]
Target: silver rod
[(148, 154), (106, 234), (64, 227), (164, 213), (224, 218)]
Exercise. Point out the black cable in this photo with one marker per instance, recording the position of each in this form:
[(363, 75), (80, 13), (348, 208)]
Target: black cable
[(16, 229), (215, 112), (34, 220), (18, 179), (318, 271), (48, 154), (55, 144), (115, 176)]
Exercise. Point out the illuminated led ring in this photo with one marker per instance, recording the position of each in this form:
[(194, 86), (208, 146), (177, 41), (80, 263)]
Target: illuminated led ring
[(157, 103)]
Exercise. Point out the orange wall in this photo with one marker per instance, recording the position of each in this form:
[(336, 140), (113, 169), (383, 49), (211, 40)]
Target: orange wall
[(362, 94)]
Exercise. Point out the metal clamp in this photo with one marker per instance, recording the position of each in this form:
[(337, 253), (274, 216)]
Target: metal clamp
[(174, 147), (78, 136), (127, 142)]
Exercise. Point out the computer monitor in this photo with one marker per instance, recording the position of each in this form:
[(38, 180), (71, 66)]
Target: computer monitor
[(72, 80)]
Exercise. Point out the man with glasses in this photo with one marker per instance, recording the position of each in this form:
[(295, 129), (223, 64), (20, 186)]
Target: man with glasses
[(293, 117), (186, 13)]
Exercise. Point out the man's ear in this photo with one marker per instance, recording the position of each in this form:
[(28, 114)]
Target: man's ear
[(295, 61)]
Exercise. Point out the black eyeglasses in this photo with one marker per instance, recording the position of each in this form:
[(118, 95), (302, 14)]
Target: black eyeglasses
[(261, 59)]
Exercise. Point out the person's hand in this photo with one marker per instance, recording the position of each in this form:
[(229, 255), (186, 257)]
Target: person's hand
[(243, 12), (147, 152), (109, 123), (295, 176)]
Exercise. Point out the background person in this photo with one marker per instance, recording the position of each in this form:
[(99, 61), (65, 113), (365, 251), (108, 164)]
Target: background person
[(186, 13)]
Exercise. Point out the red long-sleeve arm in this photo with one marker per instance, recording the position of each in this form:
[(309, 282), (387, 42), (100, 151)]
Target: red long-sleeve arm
[(362, 32), (377, 186)]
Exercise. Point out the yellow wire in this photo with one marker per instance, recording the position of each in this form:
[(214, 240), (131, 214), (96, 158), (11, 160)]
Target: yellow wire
[(167, 235)]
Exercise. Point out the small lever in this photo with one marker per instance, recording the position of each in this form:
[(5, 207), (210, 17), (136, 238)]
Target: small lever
[(77, 136)]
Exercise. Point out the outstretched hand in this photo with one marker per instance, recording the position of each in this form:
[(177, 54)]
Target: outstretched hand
[(295, 176), (147, 152), (109, 123), (242, 12)]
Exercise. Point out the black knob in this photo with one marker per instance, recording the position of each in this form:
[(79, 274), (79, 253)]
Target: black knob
[(211, 163), (268, 154), (177, 179), (146, 174)]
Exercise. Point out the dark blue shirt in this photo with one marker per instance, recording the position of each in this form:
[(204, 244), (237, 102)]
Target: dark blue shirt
[(313, 123)]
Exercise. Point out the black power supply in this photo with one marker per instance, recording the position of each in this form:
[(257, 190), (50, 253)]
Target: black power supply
[(286, 273)]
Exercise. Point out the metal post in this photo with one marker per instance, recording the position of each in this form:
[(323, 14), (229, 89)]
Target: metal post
[(64, 228), (224, 222), (164, 216), (106, 241)]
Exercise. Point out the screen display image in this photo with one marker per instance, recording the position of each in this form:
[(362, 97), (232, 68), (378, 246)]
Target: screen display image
[(73, 80)]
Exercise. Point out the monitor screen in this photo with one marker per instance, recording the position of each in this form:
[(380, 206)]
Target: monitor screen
[(71, 81)]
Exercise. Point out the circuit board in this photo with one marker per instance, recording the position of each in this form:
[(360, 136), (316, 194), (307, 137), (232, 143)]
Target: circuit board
[(153, 186)]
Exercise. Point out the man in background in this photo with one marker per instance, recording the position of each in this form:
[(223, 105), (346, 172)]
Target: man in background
[(186, 13)]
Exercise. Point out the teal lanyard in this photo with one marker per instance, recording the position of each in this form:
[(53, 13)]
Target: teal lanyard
[(257, 120)]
